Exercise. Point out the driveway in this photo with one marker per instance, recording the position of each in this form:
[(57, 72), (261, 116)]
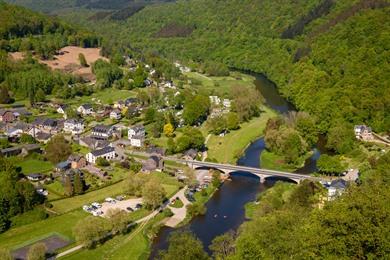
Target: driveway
[(122, 205), (179, 214)]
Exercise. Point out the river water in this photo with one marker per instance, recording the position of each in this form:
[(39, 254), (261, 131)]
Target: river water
[(225, 210)]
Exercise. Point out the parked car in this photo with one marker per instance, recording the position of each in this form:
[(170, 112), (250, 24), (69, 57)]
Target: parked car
[(129, 209), (138, 206), (96, 205), (97, 213), (110, 200)]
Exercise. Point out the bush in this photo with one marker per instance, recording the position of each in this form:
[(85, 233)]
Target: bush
[(102, 162)]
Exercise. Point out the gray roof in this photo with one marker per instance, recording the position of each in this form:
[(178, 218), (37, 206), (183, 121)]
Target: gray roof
[(105, 150), (86, 106), (101, 128)]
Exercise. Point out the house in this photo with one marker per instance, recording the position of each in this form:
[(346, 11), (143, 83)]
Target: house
[(63, 166), (35, 177), (43, 137), (190, 154), (153, 150), (107, 153), (77, 161), (215, 100), (93, 143), (11, 151), (363, 132), (70, 173), (62, 109), (227, 103), (85, 109), (102, 131), (120, 104), (336, 188), (74, 126), (13, 132), (352, 175), (154, 163), (22, 149), (136, 130), (137, 140), (116, 114), (131, 101), (7, 116), (48, 125)]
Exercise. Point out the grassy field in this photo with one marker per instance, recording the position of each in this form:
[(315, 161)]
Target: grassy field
[(105, 96), (17, 237), (134, 245), (69, 204), (35, 166), (273, 161), (220, 85), (228, 148)]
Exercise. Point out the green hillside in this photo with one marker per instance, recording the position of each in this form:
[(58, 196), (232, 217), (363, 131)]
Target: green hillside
[(328, 57)]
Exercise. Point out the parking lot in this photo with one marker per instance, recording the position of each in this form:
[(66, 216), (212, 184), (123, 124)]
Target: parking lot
[(122, 205)]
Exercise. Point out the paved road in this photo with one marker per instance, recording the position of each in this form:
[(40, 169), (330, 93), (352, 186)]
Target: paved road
[(179, 214)]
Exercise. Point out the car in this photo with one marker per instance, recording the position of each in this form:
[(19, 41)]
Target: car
[(129, 209), (87, 208), (110, 200), (96, 205), (97, 213), (138, 206), (120, 198)]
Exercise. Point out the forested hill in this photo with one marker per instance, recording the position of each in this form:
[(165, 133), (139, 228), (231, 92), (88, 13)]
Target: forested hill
[(330, 58), (25, 30)]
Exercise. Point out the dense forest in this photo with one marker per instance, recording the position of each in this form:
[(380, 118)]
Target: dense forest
[(330, 58)]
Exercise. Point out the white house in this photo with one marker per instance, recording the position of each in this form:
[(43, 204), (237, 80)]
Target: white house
[(227, 103), (136, 130), (115, 114), (137, 140), (62, 109), (102, 131), (13, 132), (74, 126), (107, 153), (215, 100), (85, 109)]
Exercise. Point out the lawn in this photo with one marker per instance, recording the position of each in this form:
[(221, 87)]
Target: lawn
[(105, 96), (17, 237), (227, 149), (69, 204), (55, 189), (35, 166), (273, 161), (221, 85)]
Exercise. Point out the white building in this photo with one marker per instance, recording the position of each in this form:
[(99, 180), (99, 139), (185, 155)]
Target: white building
[(74, 126), (215, 100), (115, 114), (62, 109), (107, 153), (227, 103), (137, 140), (85, 109), (136, 135), (102, 131)]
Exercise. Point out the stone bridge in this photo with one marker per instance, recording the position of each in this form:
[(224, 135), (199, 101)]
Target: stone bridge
[(263, 174)]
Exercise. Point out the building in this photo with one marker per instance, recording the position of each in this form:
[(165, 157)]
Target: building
[(93, 143), (116, 114), (215, 100), (137, 140), (131, 102), (74, 126), (227, 103), (336, 188), (77, 161), (63, 166), (7, 116), (35, 177), (190, 154), (13, 132), (102, 131), (154, 163), (107, 153), (43, 137), (85, 109), (47, 125), (62, 109), (363, 132), (136, 130)]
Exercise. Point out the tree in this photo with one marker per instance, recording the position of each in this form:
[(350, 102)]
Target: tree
[(223, 246), (78, 184), (185, 246), (153, 194), (83, 60), (216, 181), (58, 149), (91, 230), (168, 130), (26, 139), (196, 109), (68, 187), (134, 184), (341, 138), (171, 146), (246, 102), (40, 95), (4, 95), (190, 179), (232, 121), (196, 208), (5, 254), (119, 221), (37, 252), (102, 162), (330, 164)]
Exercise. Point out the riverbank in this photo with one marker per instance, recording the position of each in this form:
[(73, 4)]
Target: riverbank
[(276, 162), (229, 148)]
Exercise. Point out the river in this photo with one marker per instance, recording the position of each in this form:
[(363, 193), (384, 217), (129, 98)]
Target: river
[(225, 210)]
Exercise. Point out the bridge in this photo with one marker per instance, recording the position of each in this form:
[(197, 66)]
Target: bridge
[(227, 169), (263, 174)]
